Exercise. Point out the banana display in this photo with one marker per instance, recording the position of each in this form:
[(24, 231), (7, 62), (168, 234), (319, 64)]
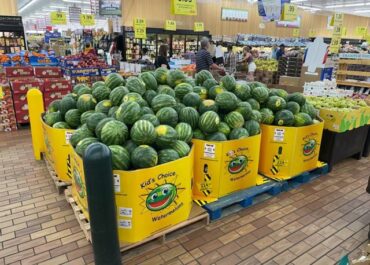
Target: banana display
[(267, 65)]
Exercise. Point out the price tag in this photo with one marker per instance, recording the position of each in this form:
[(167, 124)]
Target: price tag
[(139, 22), (87, 20), (312, 33), (337, 19), (170, 25), (335, 45), (1, 92), (184, 7), (198, 26), (337, 31), (58, 18), (289, 12), (361, 31), (140, 32), (296, 32)]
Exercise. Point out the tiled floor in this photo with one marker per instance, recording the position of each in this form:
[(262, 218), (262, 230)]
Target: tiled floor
[(315, 224)]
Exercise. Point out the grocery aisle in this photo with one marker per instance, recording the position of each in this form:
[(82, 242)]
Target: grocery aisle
[(318, 222)]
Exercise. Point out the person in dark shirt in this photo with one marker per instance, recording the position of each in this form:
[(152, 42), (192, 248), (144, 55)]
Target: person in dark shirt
[(204, 59), (161, 60), (280, 53)]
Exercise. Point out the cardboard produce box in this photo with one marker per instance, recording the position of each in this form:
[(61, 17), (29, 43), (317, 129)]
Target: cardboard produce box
[(289, 81), (48, 71), (57, 84), (19, 71), (23, 85)]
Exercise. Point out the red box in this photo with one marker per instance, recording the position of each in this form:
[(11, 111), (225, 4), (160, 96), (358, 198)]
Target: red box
[(57, 85), (22, 116), (19, 71), (20, 98), (20, 106), (51, 96), (48, 71), (22, 86)]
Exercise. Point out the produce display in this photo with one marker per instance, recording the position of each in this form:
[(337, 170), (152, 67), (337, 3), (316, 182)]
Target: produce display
[(267, 65), (336, 103), (151, 119)]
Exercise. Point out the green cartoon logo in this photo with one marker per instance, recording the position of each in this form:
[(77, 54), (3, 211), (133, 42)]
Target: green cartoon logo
[(309, 147), (237, 164), (80, 187), (161, 197)]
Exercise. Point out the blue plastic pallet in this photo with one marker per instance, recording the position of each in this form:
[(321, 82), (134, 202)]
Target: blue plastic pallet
[(243, 198)]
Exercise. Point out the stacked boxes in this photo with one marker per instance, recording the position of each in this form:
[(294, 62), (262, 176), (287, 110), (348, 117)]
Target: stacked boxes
[(82, 75), (290, 66), (266, 77), (7, 115)]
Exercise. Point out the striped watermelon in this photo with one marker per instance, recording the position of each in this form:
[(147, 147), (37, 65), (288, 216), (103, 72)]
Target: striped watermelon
[(161, 101), (167, 155), (103, 106), (238, 133), (68, 103), (84, 90), (85, 102), (143, 132), (165, 136), (79, 134), (114, 80), (167, 116), (135, 84), (224, 128), (214, 91), (101, 92), (97, 84), (216, 137), (228, 82), (144, 156), (209, 122), (184, 132), (86, 115), (197, 134), (129, 112), (192, 100), (117, 95), (94, 119), (253, 127), (61, 125), (100, 126), (164, 89), (146, 110), (152, 118), (245, 109), (189, 115), (181, 147), (182, 89), (132, 96), (52, 118), (242, 90), (201, 91), (73, 118), (84, 144), (227, 101), (207, 105), (120, 157), (234, 119), (161, 75), (202, 76), (114, 133), (209, 83), (112, 111), (175, 77), (130, 146), (149, 95), (149, 80)]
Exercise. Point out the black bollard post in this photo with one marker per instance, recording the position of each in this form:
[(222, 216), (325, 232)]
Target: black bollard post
[(102, 206)]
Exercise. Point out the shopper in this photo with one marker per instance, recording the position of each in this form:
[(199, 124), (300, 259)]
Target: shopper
[(281, 52), (88, 49), (204, 59), (231, 60), (212, 50), (274, 50), (219, 54), (161, 60), (248, 63), (145, 56)]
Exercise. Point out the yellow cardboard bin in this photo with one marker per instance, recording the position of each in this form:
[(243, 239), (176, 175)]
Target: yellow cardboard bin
[(57, 151), (289, 151), (147, 200), (221, 168)]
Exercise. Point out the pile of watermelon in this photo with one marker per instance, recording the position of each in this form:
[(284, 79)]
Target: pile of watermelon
[(151, 119)]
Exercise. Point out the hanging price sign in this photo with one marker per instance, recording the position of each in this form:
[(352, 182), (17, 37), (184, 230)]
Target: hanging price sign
[(335, 45), (87, 20), (344, 31), (337, 31), (184, 7), (139, 22), (312, 33), (198, 26), (296, 32), (58, 18), (289, 12), (337, 19), (361, 31), (170, 25), (140, 28)]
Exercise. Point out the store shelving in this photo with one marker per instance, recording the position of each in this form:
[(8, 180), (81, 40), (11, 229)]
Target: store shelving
[(352, 72), (12, 38)]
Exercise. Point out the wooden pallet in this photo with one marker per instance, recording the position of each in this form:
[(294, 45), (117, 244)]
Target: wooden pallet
[(60, 185), (198, 218)]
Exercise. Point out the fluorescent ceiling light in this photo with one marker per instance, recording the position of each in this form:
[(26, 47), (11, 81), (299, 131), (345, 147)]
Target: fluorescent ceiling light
[(362, 11), (61, 7), (76, 1), (297, 1), (27, 5), (334, 6), (346, 5), (310, 8)]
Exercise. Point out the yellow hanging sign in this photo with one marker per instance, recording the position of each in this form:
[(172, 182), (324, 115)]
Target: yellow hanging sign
[(337, 19), (344, 31), (139, 22), (58, 18), (296, 33), (170, 25), (184, 7), (337, 31), (87, 20), (289, 12), (361, 31), (198, 26), (335, 45), (312, 33), (140, 28)]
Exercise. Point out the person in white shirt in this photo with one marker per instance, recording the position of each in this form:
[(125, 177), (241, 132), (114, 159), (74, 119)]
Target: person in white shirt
[(219, 54), (145, 56), (212, 50)]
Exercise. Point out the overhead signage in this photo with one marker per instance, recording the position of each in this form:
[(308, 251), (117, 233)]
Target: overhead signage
[(296, 33), (335, 45), (184, 7), (110, 8), (170, 25), (361, 31), (290, 12), (337, 19), (140, 28), (271, 10), (58, 18), (198, 26), (87, 20), (337, 31), (74, 14), (312, 33), (232, 14)]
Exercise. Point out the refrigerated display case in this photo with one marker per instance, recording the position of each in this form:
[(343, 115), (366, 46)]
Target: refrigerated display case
[(150, 44), (132, 47), (12, 38), (178, 45), (163, 39), (191, 43)]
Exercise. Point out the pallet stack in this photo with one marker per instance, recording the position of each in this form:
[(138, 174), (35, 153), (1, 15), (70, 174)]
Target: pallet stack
[(7, 116), (290, 66)]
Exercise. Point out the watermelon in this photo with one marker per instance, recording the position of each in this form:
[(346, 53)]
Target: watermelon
[(86, 102), (112, 111), (120, 157), (94, 119), (132, 96), (197, 134), (309, 109), (260, 93), (84, 144), (245, 109), (179, 106), (192, 100), (181, 147), (242, 90), (61, 125), (77, 87), (184, 132), (254, 103), (149, 95), (72, 117), (175, 77), (209, 122), (130, 146), (276, 103), (129, 112), (190, 81), (52, 118), (302, 119), (54, 106), (216, 137), (152, 118), (72, 96), (84, 90), (284, 118), (149, 80), (201, 91), (97, 84), (293, 107), (164, 89), (278, 92), (114, 133), (234, 119), (167, 155), (114, 80), (256, 84), (135, 84), (143, 132), (117, 95), (146, 110), (267, 116), (253, 127), (144, 156), (228, 82), (167, 116), (103, 106), (238, 133), (297, 97), (202, 76), (161, 101), (209, 83), (207, 105), (182, 89), (226, 101), (224, 128), (101, 93), (68, 103), (256, 115), (165, 136), (189, 115), (100, 126), (79, 134), (86, 115), (214, 91), (161, 75)]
